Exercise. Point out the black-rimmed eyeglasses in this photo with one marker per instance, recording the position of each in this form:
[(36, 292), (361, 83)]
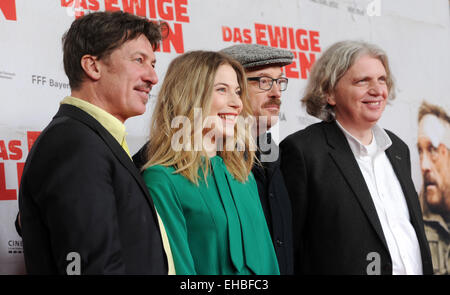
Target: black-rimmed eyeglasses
[(266, 83)]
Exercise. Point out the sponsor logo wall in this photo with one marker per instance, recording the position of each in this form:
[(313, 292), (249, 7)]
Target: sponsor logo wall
[(415, 34)]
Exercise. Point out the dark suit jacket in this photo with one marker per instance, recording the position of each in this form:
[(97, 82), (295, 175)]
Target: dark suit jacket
[(80, 192), (335, 221), (276, 205), (140, 158)]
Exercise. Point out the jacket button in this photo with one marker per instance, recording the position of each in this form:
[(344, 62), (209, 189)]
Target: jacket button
[(272, 195), (279, 243)]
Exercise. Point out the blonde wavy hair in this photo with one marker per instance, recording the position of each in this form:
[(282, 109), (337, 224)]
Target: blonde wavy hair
[(188, 84), (329, 69)]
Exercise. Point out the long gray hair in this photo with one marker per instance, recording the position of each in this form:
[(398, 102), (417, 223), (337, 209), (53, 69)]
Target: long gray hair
[(331, 66)]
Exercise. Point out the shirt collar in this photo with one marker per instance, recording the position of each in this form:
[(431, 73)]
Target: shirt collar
[(108, 121), (380, 142)]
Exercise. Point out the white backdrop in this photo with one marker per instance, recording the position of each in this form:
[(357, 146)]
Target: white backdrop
[(415, 34)]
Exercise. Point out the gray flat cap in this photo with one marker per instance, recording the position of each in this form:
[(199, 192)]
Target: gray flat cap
[(255, 55)]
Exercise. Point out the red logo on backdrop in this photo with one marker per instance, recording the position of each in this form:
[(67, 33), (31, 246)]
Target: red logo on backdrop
[(12, 151), (172, 12), (304, 44), (8, 7)]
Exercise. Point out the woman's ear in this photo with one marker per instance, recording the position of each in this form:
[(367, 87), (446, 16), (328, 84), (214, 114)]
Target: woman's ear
[(91, 66)]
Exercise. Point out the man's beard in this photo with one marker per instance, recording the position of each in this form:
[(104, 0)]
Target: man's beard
[(443, 206)]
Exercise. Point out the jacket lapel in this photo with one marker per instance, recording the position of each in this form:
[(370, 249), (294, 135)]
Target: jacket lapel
[(342, 155), (118, 151), (396, 162), (403, 176)]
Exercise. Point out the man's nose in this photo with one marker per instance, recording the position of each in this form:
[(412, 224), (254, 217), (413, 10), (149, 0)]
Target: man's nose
[(376, 89), (150, 75), (425, 162), (275, 91)]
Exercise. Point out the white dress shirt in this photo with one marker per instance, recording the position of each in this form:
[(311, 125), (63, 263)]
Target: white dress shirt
[(389, 200)]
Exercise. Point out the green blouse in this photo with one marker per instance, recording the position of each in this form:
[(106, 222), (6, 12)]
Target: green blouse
[(214, 228)]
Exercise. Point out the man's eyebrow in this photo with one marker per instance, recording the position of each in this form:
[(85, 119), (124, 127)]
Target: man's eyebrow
[(363, 77), (360, 77), (144, 55), (264, 74)]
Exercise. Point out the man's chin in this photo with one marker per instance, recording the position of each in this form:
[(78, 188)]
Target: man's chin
[(137, 113), (434, 201), (271, 111)]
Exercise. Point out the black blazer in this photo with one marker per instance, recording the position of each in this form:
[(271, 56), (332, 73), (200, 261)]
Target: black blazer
[(276, 205), (140, 158), (335, 221), (80, 192)]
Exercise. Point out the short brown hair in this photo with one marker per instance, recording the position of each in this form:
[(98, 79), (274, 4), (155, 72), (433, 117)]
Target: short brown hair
[(100, 33)]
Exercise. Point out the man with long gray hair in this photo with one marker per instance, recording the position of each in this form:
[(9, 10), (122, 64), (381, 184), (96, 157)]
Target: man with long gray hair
[(355, 208)]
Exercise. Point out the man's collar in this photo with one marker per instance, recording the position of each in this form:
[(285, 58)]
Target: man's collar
[(380, 141), (108, 121)]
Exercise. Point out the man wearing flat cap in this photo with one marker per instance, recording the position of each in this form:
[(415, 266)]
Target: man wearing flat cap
[(263, 66)]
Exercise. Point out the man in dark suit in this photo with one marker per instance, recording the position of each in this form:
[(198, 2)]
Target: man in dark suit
[(84, 207), (263, 66), (354, 204)]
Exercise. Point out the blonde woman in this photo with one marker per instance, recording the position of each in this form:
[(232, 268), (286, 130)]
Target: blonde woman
[(199, 169)]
